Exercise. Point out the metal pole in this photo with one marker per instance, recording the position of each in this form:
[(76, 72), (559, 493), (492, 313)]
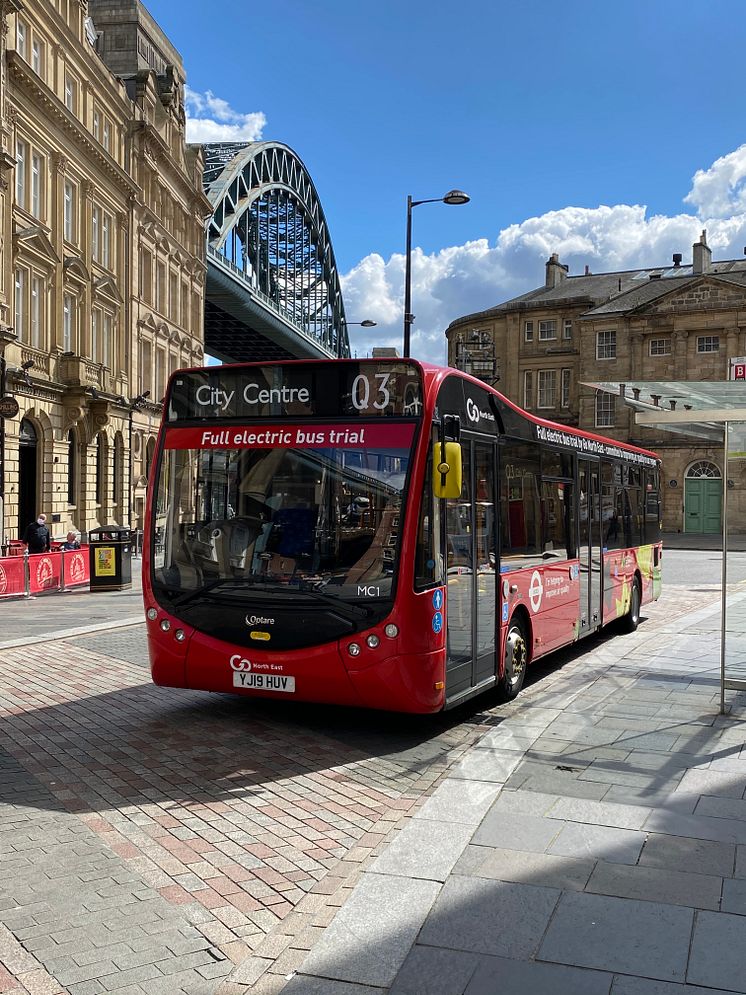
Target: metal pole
[(408, 281), (129, 483), (724, 576), (3, 366)]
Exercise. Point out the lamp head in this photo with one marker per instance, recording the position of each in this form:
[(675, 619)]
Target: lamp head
[(368, 323), (29, 364), (456, 197)]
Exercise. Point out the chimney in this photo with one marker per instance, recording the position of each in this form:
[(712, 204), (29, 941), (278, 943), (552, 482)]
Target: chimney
[(556, 272), (701, 255), (676, 260), (587, 270)]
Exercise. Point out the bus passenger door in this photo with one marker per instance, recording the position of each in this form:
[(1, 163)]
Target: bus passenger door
[(471, 556), (589, 548)]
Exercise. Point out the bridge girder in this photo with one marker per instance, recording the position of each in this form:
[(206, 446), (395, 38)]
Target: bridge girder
[(271, 265)]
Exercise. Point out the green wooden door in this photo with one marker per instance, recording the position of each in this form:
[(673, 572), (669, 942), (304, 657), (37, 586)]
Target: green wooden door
[(703, 504)]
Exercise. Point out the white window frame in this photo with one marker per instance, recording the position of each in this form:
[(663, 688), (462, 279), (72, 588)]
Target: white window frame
[(70, 199), (106, 136), (606, 344), (97, 125), (37, 57), (96, 219), (548, 330), (19, 322), (22, 35), (22, 150), (36, 311), (605, 410), (107, 227), (565, 386), (567, 328), (37, 185), (68, 323), (95, 333), (528, 331), (528, 389), (71, 93), (663, 347), (107, 339), (546, 389), (708, 343)]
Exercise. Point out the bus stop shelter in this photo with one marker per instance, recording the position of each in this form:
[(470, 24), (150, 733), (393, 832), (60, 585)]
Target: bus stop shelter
[(712, 411)]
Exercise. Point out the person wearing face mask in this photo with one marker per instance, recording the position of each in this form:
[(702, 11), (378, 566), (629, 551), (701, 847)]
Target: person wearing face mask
[(37, 537)]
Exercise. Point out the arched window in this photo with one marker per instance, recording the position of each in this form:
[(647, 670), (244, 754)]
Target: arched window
[(703, 468), (71, 466)]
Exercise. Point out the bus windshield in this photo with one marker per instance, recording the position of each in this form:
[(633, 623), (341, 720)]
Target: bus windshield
[(324, 520)]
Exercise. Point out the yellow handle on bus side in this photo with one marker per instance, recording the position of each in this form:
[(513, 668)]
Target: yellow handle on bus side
[(447, 469)]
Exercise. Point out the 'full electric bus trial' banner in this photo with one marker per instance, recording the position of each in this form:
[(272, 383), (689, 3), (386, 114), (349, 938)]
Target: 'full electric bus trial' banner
[(351, 435), (317, 390)]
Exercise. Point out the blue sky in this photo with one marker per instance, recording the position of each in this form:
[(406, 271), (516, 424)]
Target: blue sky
[(576, 127)]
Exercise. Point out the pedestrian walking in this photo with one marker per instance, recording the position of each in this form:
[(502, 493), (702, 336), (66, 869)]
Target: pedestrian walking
[(37, 537)]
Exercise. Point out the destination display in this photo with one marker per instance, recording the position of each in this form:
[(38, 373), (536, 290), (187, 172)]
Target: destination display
[(323, 390), (335, 436)]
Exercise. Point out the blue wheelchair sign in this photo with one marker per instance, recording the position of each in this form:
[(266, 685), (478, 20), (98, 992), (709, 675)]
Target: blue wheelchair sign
[(437, 622)]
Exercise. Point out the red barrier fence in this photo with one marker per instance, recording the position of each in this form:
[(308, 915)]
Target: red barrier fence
[(12, 576), (43, 573)]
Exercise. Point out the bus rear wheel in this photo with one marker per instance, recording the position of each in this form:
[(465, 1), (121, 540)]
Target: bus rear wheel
[(514, 662), (631, 620)]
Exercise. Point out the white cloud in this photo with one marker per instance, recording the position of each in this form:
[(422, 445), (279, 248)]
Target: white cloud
[(212, 119), (463, 279)]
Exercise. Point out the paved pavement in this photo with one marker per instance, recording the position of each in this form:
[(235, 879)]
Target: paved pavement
[(589, 838)]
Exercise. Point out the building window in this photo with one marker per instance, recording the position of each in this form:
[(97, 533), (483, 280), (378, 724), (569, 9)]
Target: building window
[(146, 380), (20, 316), (565, 389), (567, 329), (36, 185), (108, 343), (605, 346), (547, 389), (107, 225), (71, 467), (160, 372), (68, 323), (107, 136), (95, 334), (660, 347), (96, 234), (37, 57), (173, 297), (160, 289), (22, 33), (100, 465), (97, 126), (708, 343), (146, 276), (36, 312), (547, 330), (69, 212), (71, 94), (605, 410), (184, 305), (21, 164), (528, 389), (528, 331)]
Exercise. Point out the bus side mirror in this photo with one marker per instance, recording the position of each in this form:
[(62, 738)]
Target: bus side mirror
[(447, 469)]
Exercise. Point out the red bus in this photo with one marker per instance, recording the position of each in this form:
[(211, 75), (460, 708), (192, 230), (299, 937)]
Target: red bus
[(382, 533)]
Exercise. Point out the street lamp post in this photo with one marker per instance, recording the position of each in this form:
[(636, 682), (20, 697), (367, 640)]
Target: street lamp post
[(363, 324), (134, 405), (452, 197)]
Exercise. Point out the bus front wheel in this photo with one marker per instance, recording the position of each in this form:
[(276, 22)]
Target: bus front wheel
[(514, 663), (631, 620)]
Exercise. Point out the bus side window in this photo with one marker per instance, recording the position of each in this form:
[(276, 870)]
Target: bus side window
[(520, 513), (557, 519), (428, 563)]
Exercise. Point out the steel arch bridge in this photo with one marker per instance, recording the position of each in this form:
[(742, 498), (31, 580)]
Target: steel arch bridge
[(273, 289)]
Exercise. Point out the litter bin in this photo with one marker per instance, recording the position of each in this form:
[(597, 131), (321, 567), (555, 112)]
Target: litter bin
[(110, 557)]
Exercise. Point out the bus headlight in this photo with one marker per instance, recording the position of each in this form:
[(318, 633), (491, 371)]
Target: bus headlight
[(165, 624), (179, 636), (152, 614), (373, 641), (353, 649), (391, 630)]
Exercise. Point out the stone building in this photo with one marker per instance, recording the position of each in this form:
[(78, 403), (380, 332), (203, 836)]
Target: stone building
[(681, 322), (102, 260)]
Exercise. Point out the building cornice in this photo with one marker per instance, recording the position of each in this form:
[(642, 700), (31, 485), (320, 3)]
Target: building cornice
[(44, 99)]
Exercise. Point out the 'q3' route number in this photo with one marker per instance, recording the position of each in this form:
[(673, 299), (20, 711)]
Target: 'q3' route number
[(361, 388)]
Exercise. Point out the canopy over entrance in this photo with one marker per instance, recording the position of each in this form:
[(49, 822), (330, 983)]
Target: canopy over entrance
[(711, 410)]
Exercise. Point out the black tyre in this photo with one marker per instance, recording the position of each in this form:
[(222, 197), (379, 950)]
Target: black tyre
[(514, 663), (632, 619)]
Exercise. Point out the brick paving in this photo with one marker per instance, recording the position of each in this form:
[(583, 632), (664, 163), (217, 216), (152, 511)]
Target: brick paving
[(153, 841)]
